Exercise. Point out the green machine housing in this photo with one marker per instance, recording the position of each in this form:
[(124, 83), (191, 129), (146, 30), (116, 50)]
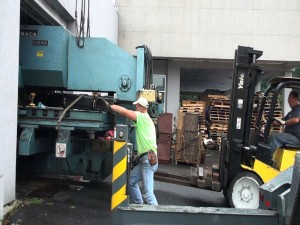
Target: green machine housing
[(61, 128)]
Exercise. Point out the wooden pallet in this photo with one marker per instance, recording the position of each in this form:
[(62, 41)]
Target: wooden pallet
[(225, 114), (188, 147), (218, 97), (222, 106), (179, 145), (215, 135), (219, 127), (219, 115), (180, 120), (193, 103), (219, 118), (217, 110), (191, 110), (195, 107)]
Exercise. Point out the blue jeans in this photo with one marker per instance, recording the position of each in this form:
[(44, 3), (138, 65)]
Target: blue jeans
[(143, 172), (279, 139)]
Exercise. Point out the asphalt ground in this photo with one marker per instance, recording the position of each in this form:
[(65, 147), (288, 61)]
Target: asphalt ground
[(91, 204), (60, 202)]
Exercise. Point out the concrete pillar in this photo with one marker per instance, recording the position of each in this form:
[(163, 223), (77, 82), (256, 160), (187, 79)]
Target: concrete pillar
[(1, 197), (9, 63), (286, 91), (173, 89)]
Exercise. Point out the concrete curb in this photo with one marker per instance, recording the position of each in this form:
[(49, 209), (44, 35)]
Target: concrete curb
[(9, 209)]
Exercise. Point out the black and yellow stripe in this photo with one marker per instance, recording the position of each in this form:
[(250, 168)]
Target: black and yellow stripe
[(119, 196)]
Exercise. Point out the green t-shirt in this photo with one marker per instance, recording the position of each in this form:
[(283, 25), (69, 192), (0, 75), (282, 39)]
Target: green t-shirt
[(145, 133)]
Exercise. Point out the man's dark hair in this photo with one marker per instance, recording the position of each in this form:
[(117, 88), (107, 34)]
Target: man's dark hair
[(294, 94)]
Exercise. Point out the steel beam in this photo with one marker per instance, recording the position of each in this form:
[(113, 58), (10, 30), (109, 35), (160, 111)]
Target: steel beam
[(175, 215)]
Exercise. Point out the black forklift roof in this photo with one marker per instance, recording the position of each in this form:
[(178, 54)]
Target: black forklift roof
[(278, 80)]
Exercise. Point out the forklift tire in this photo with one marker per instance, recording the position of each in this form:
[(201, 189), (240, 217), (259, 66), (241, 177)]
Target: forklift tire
[(243, 191)]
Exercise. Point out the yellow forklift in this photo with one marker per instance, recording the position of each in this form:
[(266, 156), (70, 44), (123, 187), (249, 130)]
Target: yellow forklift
[(268, 166), (245, 161)]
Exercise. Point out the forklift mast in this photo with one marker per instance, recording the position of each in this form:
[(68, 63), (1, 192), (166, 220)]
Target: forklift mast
[(237, 145)]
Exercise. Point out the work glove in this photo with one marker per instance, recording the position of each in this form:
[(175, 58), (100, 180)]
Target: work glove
[(103, 105), (280, 121)]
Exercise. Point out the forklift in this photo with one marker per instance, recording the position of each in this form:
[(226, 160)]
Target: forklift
[(245, 158)]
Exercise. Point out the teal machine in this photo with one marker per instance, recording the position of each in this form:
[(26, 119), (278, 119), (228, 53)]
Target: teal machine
[(62, 129)]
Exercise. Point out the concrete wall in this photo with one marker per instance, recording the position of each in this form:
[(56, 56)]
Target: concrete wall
[(180, 31), (103, 19), (104, 22), (211, 28), (103, 16), (9, 64)]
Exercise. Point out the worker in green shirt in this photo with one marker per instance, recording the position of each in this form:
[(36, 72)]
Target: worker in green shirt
[(146, 149)]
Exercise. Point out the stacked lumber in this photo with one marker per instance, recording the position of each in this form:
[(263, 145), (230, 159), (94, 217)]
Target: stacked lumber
[(188, 136), (193, 106), (219, 115), (179, 138), (197, 107), (192, 139), (277, 111)]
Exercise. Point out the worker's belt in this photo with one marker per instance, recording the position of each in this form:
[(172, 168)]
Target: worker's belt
[(143, 154), (151, 156)]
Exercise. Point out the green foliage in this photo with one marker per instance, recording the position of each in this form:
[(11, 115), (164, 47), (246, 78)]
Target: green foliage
[(36, 201), (263, 85), (297, 72), (189, 97)]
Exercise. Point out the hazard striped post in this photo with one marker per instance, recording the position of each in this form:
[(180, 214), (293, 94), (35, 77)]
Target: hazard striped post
[(119, 174)]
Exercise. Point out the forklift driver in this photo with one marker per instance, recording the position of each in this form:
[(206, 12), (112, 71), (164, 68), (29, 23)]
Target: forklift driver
[(291, 134)]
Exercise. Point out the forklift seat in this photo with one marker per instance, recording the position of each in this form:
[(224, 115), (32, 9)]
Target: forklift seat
[(291, 147)]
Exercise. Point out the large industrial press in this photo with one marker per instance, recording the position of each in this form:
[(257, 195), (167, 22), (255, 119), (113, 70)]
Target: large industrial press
[(62, 129)]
